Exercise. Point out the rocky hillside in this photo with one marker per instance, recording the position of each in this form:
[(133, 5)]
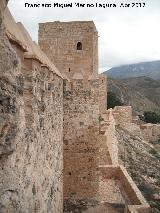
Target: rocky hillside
[(148, 69), (143, 164), (142, 93)]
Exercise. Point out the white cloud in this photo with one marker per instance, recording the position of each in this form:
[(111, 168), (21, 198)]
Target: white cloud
[(127, 35)]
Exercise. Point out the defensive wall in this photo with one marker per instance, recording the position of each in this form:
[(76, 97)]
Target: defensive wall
[(31, 157), (150, 132), (57, 139)]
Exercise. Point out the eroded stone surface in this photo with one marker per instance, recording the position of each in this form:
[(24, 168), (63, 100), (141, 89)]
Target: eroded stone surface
[(45, 118), (31, 132), (93, 206), (73, 47)]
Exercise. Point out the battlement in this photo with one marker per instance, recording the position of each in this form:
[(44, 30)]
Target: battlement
[(150, 132), (122, 114), (55, 130)]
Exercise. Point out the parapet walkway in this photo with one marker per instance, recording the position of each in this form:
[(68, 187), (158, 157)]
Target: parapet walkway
[(106, 208), (111, 198)]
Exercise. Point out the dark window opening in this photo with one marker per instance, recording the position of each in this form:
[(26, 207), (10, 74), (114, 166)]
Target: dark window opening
[(79, 46), (69, 173), (81, 123), (49, 87), (69, 69), (34, 189)]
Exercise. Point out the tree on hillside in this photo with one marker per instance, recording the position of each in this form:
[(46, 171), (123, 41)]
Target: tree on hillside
[(151, 117), (113, 100)]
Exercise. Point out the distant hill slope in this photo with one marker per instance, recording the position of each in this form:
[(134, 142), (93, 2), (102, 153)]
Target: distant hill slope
[(148, 69), (142, 163), (142, 93)]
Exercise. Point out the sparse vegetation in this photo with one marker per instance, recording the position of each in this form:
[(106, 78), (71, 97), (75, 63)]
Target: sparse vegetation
[(151, 117), (157, 142), (142, 93), (143, 166), (147, 190), (155, 153), (113, 100)]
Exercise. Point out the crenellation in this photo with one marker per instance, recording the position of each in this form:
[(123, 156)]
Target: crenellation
[(123, 114), (58, 141), (102, 93), (150, 132)]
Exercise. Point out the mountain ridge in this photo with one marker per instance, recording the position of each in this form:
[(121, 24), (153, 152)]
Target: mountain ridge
[(142, 93), (149, 69)]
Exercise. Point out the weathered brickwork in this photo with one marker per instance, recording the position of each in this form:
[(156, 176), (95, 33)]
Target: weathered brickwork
[(56, 136), (89, 131), (150, 132), (31, 145), (147, 131), (108, 129), (71, 46), (122, 114), (84, 100), (44, 111), (102, 93), (81, 147)]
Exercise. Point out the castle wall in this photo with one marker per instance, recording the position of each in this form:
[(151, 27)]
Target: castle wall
[(81, 147), (38, 109), (59, 41), (43, 98), (150, 132), (84, 101), (123, 117), (122, 114), (31, 131), (135, 202), (103, 93), (110, 140)]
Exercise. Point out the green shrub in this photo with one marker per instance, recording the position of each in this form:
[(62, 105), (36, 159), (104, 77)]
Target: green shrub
[(151, 117), (147, 190), (113, 100), (155, 153), (156, 142)]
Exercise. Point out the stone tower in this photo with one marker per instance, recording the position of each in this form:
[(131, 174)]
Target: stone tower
[(72, 47)]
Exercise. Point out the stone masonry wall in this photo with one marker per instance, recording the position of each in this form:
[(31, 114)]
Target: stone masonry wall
[(150, 132), (35, 106), (31, 132), (84, 101), (123, 117), (111, 139), (81, 147), (122, 114), (102, 93), (108, 131), (59, 41), (44, 122)]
